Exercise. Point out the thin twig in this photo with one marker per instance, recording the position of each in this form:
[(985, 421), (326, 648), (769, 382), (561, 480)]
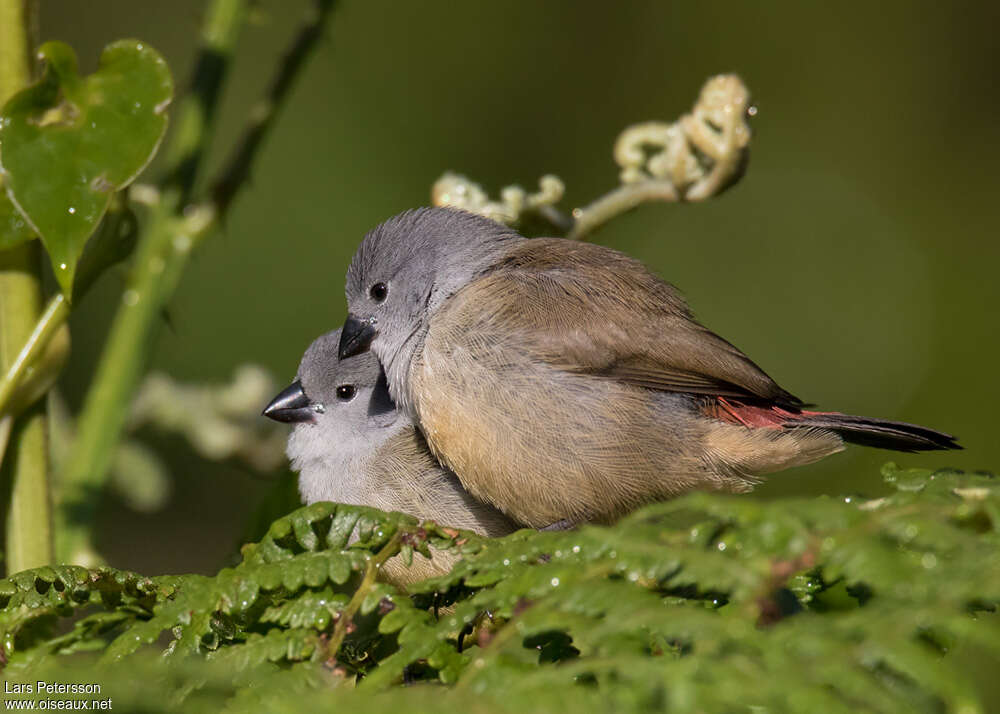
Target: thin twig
[(346, 616), (561, 221), (237, 169), (48, 324), (220, 32), (692, 159), (622, 199)]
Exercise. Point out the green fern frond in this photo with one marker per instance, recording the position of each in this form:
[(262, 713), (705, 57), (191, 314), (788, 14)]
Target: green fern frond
[(707, 603)]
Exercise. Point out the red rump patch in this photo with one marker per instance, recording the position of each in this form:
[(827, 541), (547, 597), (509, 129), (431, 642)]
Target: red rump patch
[(754, 416)]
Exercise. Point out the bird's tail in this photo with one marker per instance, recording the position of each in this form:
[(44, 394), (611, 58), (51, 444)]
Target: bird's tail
[(880, 433)]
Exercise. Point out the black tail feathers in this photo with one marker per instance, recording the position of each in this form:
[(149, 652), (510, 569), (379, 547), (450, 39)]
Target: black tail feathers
[(880, 433)]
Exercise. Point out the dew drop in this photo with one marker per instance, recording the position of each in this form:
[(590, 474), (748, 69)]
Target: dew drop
[(555, 582), (721, 546), (130, 298), (72, 210), (62, 266), (929, 560)]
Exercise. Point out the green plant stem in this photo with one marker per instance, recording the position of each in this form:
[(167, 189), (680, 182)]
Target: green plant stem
[(237, 169), (171, 231), (617, 202), (346, 616), (29, 515), (223, 21), (14, 50), (106, 407), (28, 540), (52, 318)]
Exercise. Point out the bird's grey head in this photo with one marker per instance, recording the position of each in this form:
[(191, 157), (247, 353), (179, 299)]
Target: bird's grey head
[(335, 395), (405, 268), (342, 414)]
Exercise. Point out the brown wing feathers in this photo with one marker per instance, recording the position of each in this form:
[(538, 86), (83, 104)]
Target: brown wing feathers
[(645, 334)]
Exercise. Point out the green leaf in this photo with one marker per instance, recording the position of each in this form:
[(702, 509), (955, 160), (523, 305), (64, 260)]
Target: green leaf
[(113, 242), (14, 230), (68, 143)]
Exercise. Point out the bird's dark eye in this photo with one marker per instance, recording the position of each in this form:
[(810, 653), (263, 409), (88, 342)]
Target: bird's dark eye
[(379, 292), (345, 392)]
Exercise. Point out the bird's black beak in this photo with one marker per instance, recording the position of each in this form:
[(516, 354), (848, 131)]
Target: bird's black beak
[(356, 337), (291, 405)]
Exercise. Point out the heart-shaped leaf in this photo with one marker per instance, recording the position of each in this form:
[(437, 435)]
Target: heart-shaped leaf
[(67, 143)]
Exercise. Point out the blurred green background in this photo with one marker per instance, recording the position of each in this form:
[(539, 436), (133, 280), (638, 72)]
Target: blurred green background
[(857, 261)]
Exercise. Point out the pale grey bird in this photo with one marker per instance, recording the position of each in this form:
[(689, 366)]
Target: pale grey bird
[(562, 380), (350, 445)]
